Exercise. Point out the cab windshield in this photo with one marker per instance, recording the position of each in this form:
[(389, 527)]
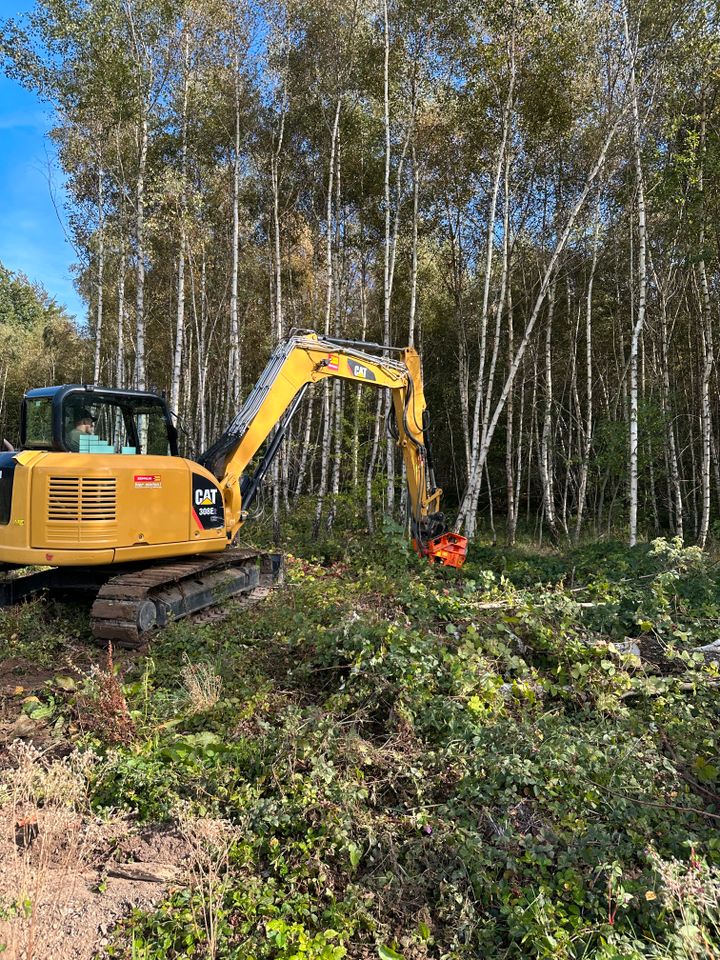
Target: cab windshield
[(96, 424)]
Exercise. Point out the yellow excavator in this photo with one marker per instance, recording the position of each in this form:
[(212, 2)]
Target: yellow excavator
[(99, 497)]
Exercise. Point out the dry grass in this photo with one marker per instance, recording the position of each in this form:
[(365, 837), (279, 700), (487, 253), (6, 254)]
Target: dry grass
[(201, 685), (44, 841), (209, 841)]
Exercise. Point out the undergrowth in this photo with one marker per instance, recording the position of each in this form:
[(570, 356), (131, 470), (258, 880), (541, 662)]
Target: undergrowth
[(518, 759)]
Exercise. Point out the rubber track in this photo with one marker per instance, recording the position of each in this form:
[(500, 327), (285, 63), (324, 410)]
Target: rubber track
[(124, 604)]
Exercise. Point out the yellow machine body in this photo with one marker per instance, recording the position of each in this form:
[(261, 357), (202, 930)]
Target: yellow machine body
[(75, 509)]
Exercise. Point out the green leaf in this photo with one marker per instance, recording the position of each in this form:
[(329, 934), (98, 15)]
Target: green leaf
[(387, 953), (37, 710), (355, 854), (65, 683)]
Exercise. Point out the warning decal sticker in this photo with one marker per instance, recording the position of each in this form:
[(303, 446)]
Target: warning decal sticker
[(148, 481), (332, 361), (207, 505)]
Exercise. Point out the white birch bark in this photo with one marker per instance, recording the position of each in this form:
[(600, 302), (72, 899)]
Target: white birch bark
[(465, 516), (120, 350), (639, 322), (100, 275), (587, 432), (278, 294), (338, 392), (390, 447), (180, 313), (392, 227), (358, 388), (547, 477), (707, 344), (235, 372), (706, 409), (144, 80), (329, 277), (511, 518), (414, 248), (140, 255)]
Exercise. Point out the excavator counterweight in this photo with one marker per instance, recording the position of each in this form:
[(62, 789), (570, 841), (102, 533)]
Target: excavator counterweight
[(99, 494)]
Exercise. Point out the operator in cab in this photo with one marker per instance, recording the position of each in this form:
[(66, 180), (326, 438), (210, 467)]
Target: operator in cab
[(84, 425)]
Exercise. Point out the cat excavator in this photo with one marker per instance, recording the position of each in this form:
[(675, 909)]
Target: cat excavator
[(99, 497)]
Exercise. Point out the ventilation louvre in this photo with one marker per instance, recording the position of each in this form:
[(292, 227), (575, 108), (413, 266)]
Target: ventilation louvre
[(82, 498)]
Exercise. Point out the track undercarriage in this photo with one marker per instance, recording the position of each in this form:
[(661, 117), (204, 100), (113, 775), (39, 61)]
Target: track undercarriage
[(131, 602)]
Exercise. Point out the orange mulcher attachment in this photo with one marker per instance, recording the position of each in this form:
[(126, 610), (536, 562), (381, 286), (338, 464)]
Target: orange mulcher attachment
[(449, 549)]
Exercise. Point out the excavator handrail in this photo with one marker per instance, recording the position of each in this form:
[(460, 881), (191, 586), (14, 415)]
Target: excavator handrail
[(386, 348)]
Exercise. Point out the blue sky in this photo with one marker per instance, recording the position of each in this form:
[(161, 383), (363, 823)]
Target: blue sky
[(33, 238)]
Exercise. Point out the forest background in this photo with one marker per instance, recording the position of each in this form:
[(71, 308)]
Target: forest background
[(528, 192)]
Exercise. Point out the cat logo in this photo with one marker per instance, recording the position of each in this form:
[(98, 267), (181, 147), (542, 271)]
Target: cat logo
[(207, 505), (358, 370), (206, 497)]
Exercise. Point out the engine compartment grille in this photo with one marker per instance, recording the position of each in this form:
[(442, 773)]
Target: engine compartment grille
[(82, 498)]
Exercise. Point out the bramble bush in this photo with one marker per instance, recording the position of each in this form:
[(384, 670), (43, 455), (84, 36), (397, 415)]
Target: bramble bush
[(518, 759)]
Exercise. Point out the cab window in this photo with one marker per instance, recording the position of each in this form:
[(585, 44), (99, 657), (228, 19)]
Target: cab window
[(97, 424), (38, 423), (151, 430)]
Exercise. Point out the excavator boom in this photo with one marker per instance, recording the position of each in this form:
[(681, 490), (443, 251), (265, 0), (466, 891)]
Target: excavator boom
[(305, 358)]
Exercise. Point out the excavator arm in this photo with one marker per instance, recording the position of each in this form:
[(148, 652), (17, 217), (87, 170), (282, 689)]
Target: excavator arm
[(299, 361)]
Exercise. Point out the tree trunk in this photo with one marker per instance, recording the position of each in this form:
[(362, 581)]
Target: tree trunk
[(140, 254), (588, 425), (642, 292), (278, 331), (100, 276), (387, 290), (546, 455), (708, 351), (235, 372), (120, 351), (327, 418), (180, 316)]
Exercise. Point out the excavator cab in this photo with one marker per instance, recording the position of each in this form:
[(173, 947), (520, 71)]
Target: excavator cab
[(84, 419)]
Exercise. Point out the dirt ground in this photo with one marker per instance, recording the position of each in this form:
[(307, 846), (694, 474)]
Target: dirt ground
[(80, 890), (65, 880)]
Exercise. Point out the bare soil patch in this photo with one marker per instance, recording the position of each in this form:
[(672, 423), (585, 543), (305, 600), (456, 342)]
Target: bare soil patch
[(84, 885)]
